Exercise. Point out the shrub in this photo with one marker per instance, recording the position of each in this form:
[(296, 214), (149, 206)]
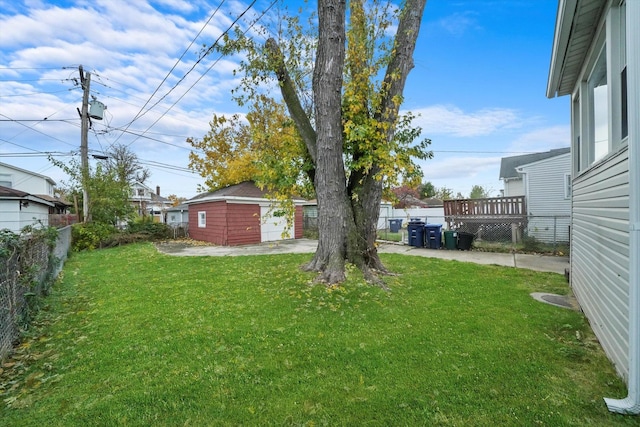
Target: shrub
[(531, 244), (154, 230), (90, 235)]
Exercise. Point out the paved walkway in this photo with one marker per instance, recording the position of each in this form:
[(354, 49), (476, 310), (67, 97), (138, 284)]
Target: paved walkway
[(533, 262)]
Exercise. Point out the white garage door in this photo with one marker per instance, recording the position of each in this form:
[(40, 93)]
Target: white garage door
[(271, 227)]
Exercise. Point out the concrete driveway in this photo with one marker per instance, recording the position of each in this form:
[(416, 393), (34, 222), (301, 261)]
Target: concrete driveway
[(532, 262)]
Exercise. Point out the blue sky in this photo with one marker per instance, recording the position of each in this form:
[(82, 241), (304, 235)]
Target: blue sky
[(478, 84)]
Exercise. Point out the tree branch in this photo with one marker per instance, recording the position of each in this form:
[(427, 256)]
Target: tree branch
[(290, 96)]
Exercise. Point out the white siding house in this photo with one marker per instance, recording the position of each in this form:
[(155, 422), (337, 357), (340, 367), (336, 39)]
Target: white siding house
[(596, 61), (147, 202), (547, 192), (19, 209), (27, 181)]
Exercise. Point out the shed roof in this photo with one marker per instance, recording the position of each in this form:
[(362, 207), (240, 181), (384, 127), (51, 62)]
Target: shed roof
[(13, 194), (243, 190), (508, 165)]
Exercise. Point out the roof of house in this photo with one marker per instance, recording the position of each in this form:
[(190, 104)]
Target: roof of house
[(244, 190), (508, 165), (576, 27), (180, 207), (13, 194), (56, 200)]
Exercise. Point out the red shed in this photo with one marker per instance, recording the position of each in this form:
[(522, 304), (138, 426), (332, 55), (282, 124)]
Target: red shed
[(240, 214)]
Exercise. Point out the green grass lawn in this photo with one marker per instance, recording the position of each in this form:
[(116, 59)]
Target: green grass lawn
[(133, 337)]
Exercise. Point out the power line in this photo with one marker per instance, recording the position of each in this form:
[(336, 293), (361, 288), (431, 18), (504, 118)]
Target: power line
[(35, 120), (216, 61), (35, 93), (35, 130), (140, 113)]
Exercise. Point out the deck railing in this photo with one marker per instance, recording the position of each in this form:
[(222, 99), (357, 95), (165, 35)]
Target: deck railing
[(464, 212), (494, 207)]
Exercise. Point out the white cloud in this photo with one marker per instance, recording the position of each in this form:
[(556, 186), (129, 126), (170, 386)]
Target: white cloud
[(459, 23), (458, 167), (453, 121), (543, 139)]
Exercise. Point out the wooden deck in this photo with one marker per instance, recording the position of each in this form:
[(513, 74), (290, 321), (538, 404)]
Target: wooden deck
[(494, 210)]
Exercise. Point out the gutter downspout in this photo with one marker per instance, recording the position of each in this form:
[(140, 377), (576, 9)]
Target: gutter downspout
[(631, 404)]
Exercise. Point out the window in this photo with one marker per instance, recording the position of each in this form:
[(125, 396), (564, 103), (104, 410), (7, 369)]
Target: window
[(624, 119), (576, 126), (598, 109), (202, 219), (140, 191), (567, 185), (5, 180)]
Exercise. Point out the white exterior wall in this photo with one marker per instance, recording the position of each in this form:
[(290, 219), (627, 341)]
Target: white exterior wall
[(28, 182), (600, 253), (10, 215), (429, 215), (177, 217), (547, 202), (14, 219), (513, 187)]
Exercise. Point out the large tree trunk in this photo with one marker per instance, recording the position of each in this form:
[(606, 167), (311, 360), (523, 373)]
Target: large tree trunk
[(348, 212), (334, 218)]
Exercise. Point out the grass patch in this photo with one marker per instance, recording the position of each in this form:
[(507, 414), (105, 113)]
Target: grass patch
[(389, 236), (134, 337)]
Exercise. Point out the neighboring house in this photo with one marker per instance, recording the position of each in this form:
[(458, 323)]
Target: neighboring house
[(33, 183), (512, 178), (545, 181), (178, 216), (147, 202), (238, 215), (596, 61), (19, 209)]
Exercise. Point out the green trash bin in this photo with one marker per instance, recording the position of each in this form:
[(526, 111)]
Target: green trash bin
[(451, 239)]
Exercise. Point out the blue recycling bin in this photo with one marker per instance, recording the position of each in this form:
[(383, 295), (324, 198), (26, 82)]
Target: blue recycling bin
[(415, 229), (395, 225), (433, 236)]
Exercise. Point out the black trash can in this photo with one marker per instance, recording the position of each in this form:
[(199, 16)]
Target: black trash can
[(464, 240), (395, 225), (416, 233)]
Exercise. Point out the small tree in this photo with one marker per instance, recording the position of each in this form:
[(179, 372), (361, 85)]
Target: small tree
[(479, 192), (404, 195), (108, 195), (125, 164), (444, 193), (427, 190)]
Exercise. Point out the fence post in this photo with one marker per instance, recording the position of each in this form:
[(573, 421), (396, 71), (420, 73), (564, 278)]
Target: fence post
[(555, 231), (514, 233)]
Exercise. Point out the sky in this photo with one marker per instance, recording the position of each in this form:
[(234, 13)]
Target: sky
[(478, 86)]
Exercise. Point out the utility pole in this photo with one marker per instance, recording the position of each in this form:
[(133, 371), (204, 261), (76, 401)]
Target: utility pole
[(85, 82)]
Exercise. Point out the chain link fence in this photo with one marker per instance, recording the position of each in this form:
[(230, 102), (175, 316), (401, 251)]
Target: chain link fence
[(25, 274), (527, 233)]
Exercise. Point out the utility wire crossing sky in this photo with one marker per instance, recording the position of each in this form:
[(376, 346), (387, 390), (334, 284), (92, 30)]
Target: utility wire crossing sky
[(478, 86)]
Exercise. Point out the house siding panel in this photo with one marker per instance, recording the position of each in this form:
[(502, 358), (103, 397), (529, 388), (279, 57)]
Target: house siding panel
[(546, 201), (513, 187), (243, 222), (600, 253), (216, 227)]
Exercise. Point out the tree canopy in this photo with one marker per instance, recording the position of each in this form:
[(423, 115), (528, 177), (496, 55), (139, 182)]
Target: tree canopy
[(350, 142)]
